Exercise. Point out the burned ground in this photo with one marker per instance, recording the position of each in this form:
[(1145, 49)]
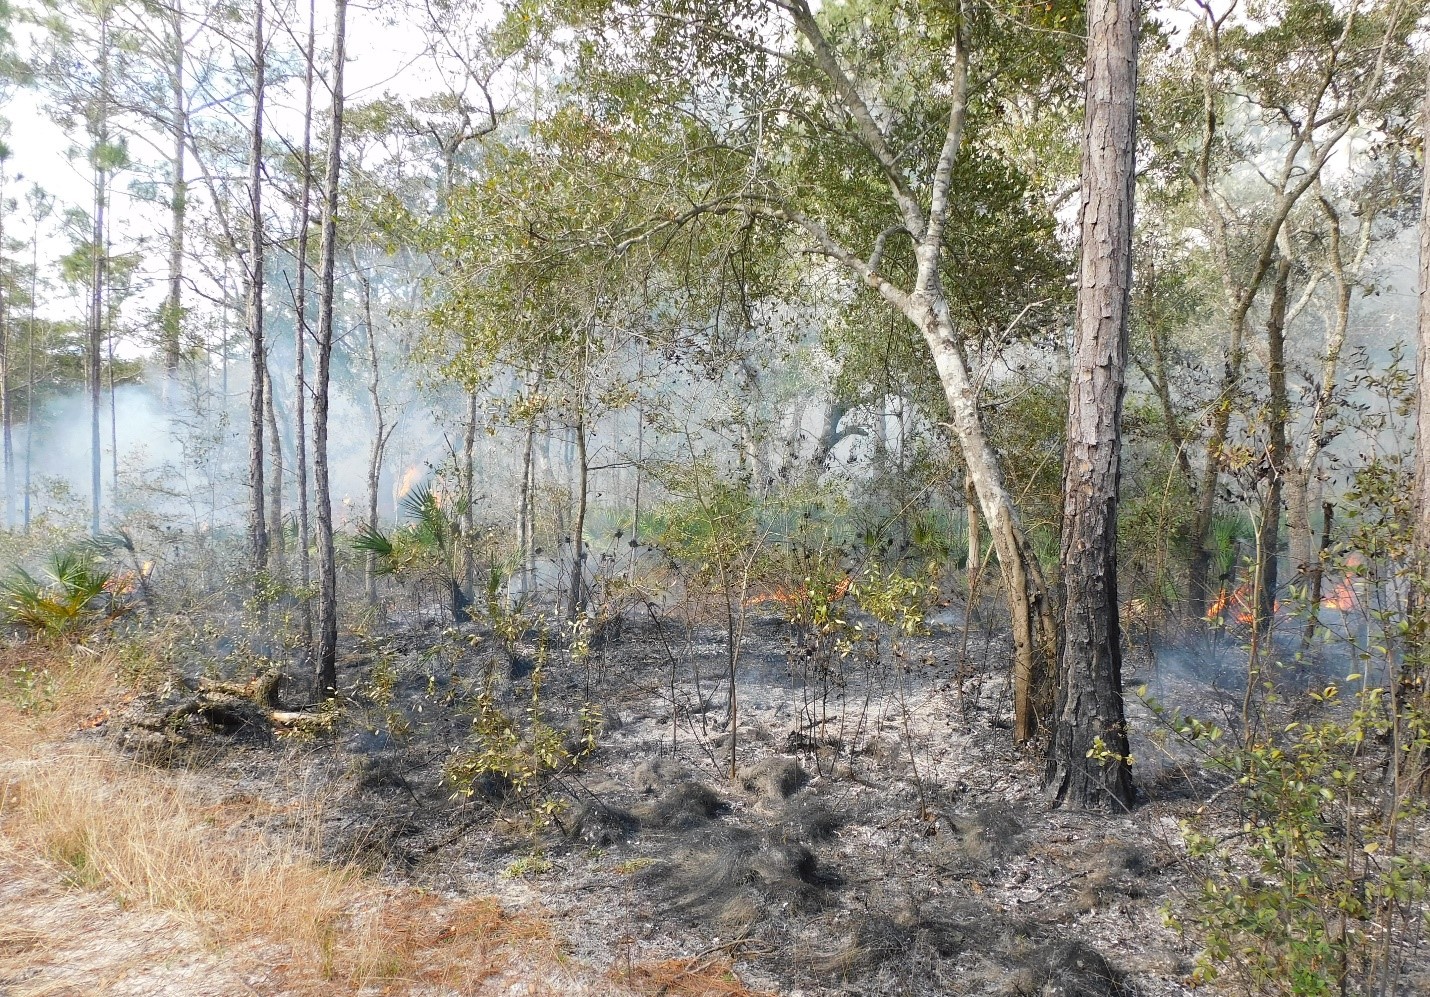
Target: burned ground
[(881, 833)]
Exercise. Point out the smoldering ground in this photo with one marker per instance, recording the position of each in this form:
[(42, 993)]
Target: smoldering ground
[(915, 856)]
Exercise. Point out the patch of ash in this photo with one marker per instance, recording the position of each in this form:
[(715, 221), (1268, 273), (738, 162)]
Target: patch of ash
[(881, 836)]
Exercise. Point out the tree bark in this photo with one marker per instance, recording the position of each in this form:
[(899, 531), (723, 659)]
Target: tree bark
[(257, 527), (926, 306), (172, 322), (380, 433), (469, 497), (7, 415), (98, 275), (276, 564), (1024, 587), (577, 602), (1422, 358), (113, 398), (37, 204), (525, 523), (327, 656), (300, 344), (1268, 529), (1089, 764)]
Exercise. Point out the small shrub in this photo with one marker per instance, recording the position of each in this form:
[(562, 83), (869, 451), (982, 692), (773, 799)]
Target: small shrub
[(75, 596), (1322, 884)]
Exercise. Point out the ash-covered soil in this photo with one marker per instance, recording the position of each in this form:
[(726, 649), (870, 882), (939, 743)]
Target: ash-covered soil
[(882, 835)]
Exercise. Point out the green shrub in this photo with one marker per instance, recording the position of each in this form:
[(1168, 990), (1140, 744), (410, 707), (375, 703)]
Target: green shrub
[(1322, 883), (75, 595)]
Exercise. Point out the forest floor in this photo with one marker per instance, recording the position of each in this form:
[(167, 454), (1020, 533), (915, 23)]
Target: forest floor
[(882, 835)]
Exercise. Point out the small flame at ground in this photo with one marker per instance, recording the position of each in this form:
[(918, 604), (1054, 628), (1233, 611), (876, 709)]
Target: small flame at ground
[(1241, 602), (790, 596)]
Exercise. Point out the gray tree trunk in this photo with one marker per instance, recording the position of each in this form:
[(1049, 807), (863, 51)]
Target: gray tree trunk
[(1089, 764), (99, 271), (37, 204), (300, 338), (577, 596), (1268, 529), (172, 323), (7, 415), (327, 656), (276, 563), (469, 497), (1422, 359), (379, 436), (257, 526)]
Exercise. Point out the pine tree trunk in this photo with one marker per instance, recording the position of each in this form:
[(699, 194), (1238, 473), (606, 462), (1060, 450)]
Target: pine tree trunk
[(379, 437), (300, 343), (276, 564), (7, 415), (98, 275), (469, 497), (113, 403), (1422, 359), (327, 657), (172, 323), (1089, 764), (257, 527), (30, 376)]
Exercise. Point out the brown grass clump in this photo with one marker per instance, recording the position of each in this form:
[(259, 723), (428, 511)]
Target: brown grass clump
[(108, 826), (698, 977), (46, 693)]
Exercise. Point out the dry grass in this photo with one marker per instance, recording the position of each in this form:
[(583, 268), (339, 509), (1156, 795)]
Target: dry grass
[(47, 692), (685, 978), (109, 827)]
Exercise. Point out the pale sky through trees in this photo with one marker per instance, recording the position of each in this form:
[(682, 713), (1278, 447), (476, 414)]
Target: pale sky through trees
[(387, 55)]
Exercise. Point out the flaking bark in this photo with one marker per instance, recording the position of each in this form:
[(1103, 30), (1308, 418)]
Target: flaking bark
[(1089, 764)]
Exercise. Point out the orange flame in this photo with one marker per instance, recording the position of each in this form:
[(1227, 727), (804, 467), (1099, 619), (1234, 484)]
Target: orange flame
[(792, 596), (1217, 606), (1343, 597), (408, 481), (779, 595), (1241, 602)]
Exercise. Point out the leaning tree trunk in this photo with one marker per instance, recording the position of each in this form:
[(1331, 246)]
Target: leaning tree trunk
[(1089, 764), (1024, 587), (1268, 530), (327, 656), (379, 436), (257, 528), (276, 564)]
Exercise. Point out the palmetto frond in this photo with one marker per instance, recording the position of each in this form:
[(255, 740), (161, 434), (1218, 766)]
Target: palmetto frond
[(371, 540)]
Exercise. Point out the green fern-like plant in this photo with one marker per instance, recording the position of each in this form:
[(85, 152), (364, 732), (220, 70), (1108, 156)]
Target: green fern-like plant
[(429, 543), (75, 595)]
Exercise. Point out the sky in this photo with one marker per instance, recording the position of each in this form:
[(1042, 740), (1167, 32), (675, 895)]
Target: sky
[(386, 55)]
